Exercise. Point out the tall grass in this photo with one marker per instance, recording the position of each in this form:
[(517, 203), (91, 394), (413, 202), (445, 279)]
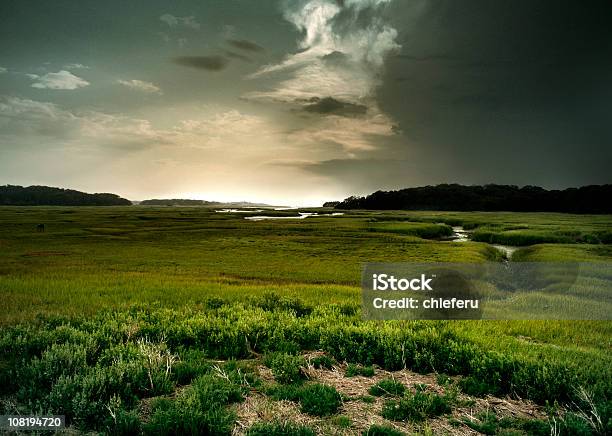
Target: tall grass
[(110, 308)]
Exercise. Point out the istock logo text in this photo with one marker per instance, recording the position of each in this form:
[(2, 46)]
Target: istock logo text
[(385, 282)]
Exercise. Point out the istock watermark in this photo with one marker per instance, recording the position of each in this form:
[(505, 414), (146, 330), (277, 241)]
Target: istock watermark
[(490, 290)]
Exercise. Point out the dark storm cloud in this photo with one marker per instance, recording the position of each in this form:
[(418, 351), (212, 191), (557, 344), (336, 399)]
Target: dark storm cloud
[(481, 91), (501, 92), (234, 55), (331, 106), (209, 63), (362, 176), (246, 45)]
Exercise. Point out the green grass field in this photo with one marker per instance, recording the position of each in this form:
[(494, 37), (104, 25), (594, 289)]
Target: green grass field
[(115, 316)]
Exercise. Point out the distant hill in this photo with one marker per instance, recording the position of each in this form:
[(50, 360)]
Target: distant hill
[(186, 202), (11, 195), (587, 199)]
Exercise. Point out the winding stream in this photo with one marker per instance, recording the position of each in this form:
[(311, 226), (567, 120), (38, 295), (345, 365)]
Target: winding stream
[(462, 235), (301, 216)]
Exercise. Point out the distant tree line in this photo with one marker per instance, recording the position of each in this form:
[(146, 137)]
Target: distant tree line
[(331, 203), (11, 195), (176, 202), (454, 197)]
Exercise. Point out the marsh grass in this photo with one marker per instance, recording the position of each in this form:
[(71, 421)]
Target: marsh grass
[(353, 370), (418, 406), (387, 387), (113, 307)]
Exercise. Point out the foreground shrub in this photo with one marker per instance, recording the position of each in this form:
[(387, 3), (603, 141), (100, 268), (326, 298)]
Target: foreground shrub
[(387, 387), (475, 387), (84, 397), (212, 389), (488, 423), (121, 421), (315, 399), (191, 365), (319, 400), (76, 369), (353, 370), (322, 362), (39, 375), (198, 410), (417, 407), (285, 367), (285, 392), (343, 421), (279, 429)]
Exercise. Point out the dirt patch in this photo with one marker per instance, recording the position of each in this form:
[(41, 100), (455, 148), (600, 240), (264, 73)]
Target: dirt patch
[(259, 408), (363, 413)]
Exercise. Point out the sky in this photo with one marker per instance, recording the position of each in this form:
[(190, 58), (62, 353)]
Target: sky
[(296, 102)]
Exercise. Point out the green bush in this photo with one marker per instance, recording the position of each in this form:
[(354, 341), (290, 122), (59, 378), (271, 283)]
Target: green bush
[(488, 423), (353, 370), (475, 387), (322, 362), (284, 392), (59, 360), (191, 365), (381, 430), (604, 236), (279, 429), (574, 425), (121, 421), (443, 379), (273, 302), (368, 399), (343, 421), (417, 407), (199, 409), (387, 387), (315, 399), (188, 417), (285, 367), (76, 369), (319, 400), (83, 398), (212, 389), (241, 373), (214, 303)]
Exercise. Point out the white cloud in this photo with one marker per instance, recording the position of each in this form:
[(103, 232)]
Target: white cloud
[(61, 80), (174, 21), (351, 133), (3, 70), (14, 107), (213, 152), (140, 85), (76, 67), (342, 57), (26, 118)]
